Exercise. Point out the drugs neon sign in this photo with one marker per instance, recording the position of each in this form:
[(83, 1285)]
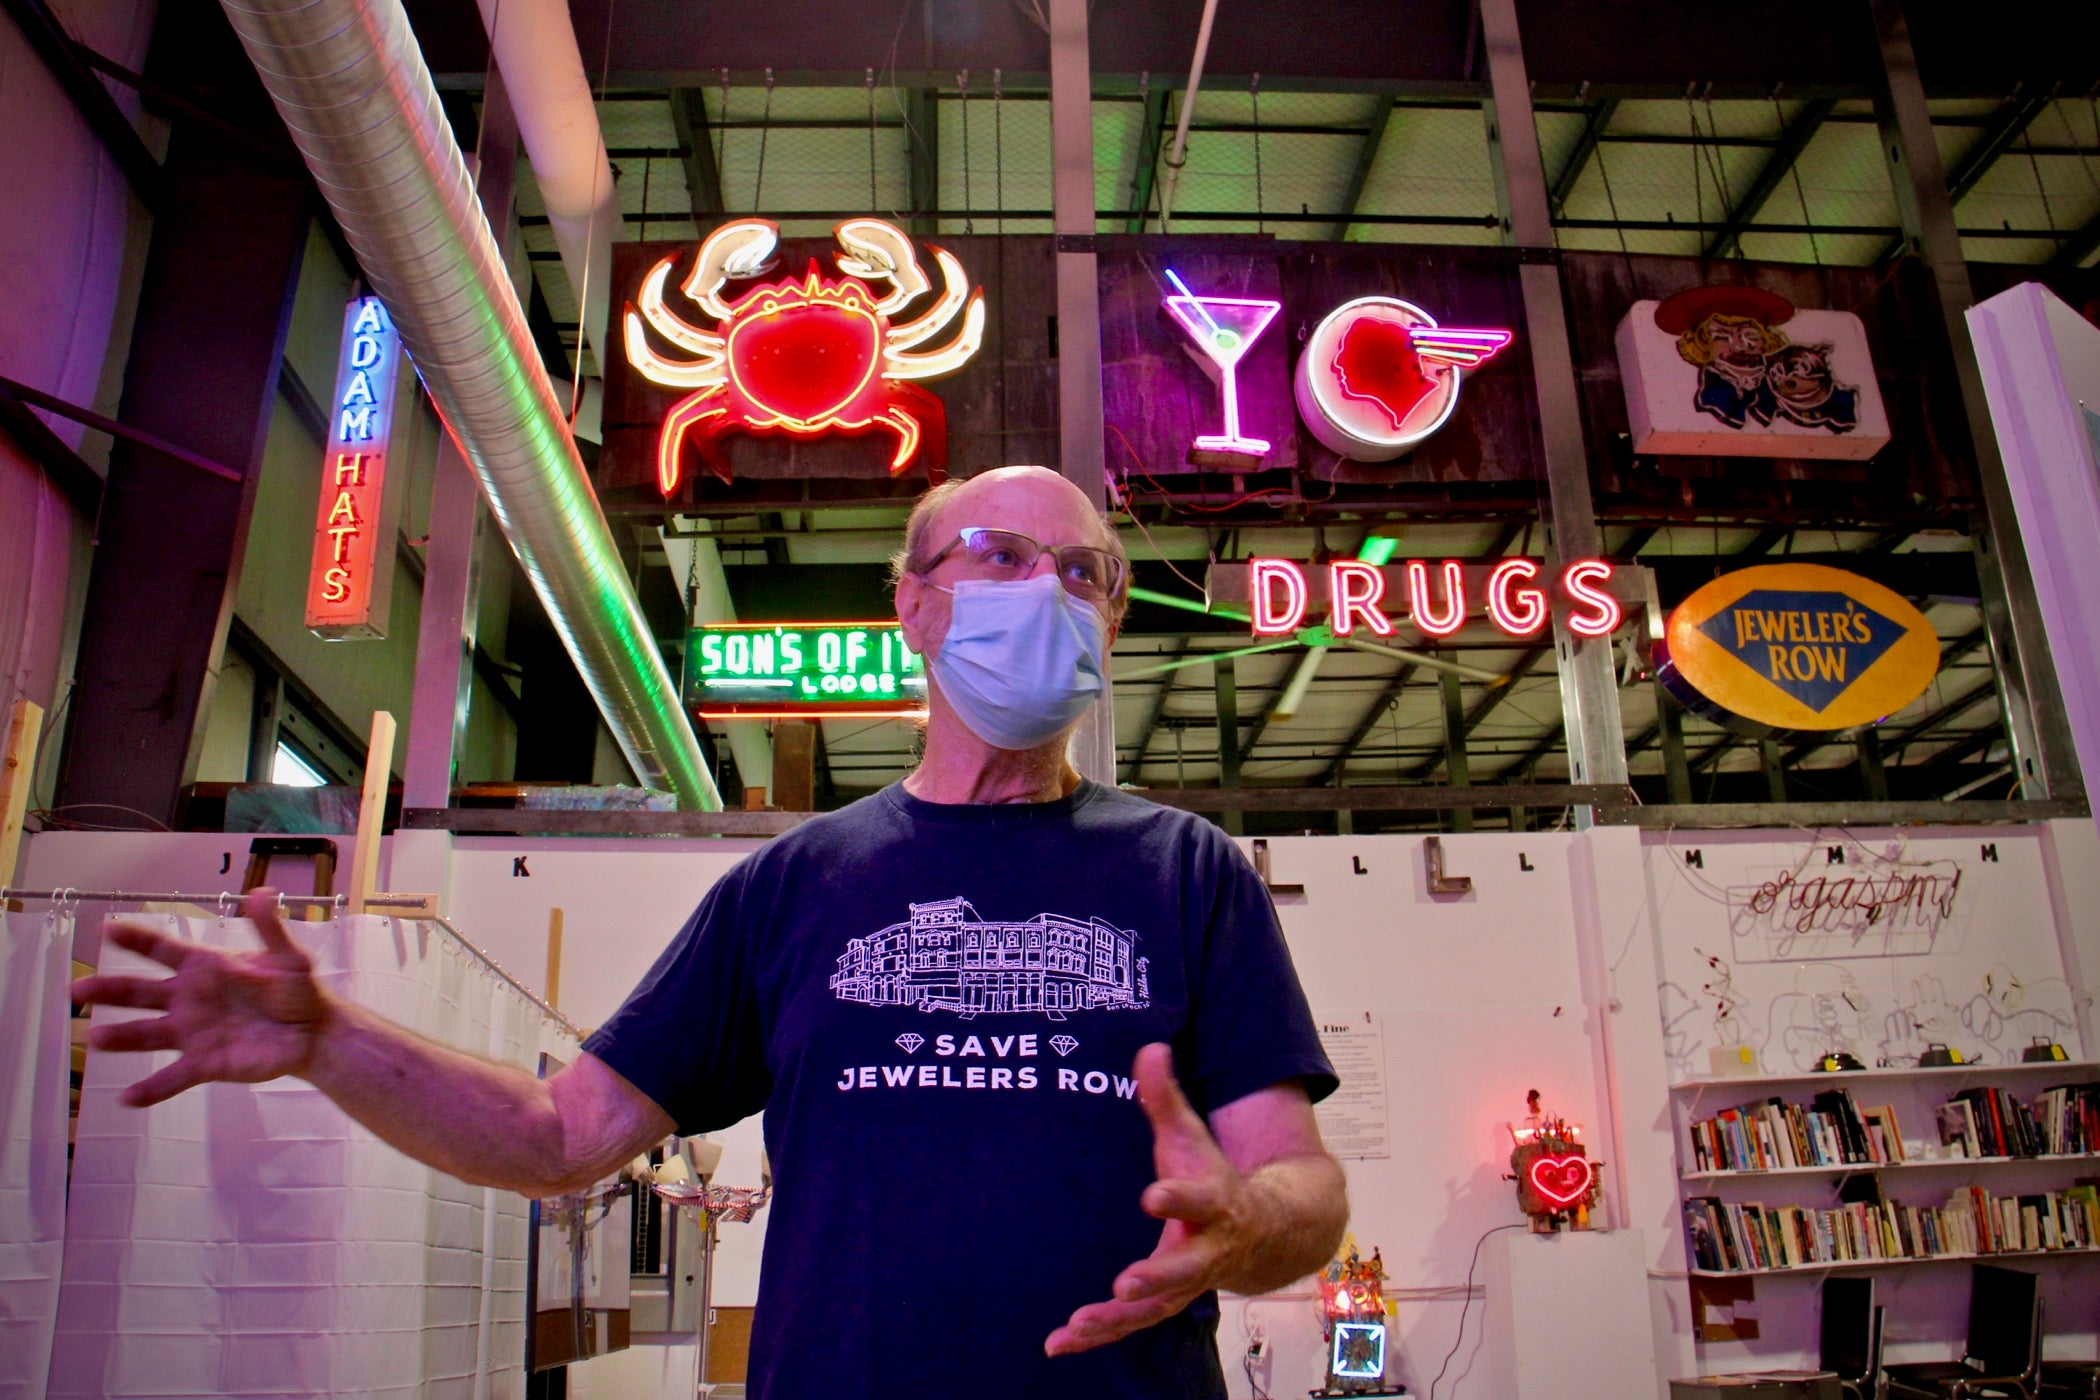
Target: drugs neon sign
[(349, 581), (1440, 595)]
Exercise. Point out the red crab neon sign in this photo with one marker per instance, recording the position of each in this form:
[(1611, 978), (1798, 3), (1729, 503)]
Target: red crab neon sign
[(806, 357)]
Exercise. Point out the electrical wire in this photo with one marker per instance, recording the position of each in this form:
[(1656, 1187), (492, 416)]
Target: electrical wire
[(1463, 1309)]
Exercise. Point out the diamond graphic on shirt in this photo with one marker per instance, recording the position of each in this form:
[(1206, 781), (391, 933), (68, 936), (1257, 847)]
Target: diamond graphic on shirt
[(948, 957), (1064, 1044), (910, 1042)]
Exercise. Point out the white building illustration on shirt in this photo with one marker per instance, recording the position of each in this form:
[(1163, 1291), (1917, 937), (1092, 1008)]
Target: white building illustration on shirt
[(947, 957)]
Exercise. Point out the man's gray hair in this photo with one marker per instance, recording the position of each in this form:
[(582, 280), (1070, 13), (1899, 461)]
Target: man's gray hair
[(920, 544)]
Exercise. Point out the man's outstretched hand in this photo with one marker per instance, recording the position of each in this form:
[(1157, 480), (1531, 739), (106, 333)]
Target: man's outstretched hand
[(1203, 1199), (243, 1017)]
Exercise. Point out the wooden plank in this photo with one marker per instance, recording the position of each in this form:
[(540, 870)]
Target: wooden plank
[(1714, 816), (17, 775), (1387, 799), (371, 811), (795, 765), (487, 821), (554, 958)]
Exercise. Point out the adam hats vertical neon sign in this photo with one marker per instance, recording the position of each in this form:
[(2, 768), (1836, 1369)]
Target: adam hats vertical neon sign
[(347, 587)]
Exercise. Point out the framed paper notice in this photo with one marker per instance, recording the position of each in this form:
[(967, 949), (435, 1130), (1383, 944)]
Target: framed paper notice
[(1353, 1119)]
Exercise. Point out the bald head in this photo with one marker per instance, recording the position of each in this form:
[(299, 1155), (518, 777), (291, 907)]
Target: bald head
[(1033, 501)]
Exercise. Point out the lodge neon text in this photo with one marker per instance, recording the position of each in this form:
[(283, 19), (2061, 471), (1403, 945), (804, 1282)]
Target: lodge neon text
[(1437, 602)]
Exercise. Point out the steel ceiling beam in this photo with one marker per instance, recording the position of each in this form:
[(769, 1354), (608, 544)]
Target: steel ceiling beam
[(2081, 245), (1366, 157), (922, 159), (1159, 709), (1149, 136), (1793, 140), (96, 107), (703, 177), (74, 478), (1579, 159), (1487, 704), (1952, 655), (1364, 725), (2004, 127), (1982, 739), (2036, 718), (1588, 679)]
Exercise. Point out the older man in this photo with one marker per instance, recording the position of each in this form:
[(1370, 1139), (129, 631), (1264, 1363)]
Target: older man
[(944, 998)]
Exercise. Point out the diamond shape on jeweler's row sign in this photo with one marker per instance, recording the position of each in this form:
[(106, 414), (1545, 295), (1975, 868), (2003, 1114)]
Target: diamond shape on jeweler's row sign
[(1063, 1044), (910, 1042), (1812, 645)]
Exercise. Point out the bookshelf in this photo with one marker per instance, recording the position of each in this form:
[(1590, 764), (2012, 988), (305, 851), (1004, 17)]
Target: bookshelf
[(1957, 1207), (1914, 1164), (1937, 1076), (1850, 1265)]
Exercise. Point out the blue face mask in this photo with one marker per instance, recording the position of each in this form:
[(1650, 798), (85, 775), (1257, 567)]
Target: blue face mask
[(1021, 660)]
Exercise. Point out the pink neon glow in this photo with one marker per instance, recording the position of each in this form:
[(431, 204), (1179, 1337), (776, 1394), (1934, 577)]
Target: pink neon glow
[(1264, 576), (1430, 621), (1224, 329), (1455, 345), (1597, 613), (1355, 589), (1516, 607)]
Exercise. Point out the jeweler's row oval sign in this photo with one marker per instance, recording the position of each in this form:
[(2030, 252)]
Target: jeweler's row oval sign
[(1797, 646)]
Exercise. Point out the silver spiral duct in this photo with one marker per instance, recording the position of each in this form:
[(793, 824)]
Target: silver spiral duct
[(351, 84)]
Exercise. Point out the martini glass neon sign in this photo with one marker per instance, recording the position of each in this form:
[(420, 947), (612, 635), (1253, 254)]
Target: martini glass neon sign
[(1224, 329)]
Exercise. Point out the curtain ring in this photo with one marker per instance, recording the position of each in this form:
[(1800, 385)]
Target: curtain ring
[(225, 906)]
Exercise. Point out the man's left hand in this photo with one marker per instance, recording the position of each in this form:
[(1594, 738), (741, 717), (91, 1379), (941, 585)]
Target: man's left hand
[(1203, 1199)]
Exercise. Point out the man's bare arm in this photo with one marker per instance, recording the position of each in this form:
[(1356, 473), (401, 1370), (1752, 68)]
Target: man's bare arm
[(485, 1123), (249, 1017), (1251, 1202)]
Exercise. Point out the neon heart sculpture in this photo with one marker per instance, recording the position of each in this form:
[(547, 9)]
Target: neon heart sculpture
[(1561, 1181)]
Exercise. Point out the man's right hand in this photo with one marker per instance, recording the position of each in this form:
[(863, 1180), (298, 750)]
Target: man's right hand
[(242, 1017)]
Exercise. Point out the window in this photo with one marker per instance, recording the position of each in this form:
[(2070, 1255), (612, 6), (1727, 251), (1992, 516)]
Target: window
[(291, 770)]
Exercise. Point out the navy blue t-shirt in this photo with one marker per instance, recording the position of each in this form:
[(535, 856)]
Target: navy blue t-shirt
[(937, 1007)]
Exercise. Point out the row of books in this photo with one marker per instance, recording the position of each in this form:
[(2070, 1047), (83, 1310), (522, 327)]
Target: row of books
[(1829, 1131), (1992, 1123), (1730, 1238)]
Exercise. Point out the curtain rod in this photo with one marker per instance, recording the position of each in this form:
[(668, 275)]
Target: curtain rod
[(225, 900)]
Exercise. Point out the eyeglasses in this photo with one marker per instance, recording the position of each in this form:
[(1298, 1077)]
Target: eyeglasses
[(1085, 572)]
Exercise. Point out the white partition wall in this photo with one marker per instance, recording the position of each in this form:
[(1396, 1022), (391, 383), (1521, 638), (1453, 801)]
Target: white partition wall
[(35, 1054), (251, 1239), (1597, 967)]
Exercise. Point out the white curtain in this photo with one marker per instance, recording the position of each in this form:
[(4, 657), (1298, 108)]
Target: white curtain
[(252, 1240), (36, 958)]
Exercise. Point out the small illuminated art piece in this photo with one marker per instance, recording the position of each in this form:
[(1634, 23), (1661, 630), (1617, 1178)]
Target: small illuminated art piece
[(349, 585), (1359, 1351), (1353, 1312), (1379, 374), (1740, 372), (802, 670), (806, 357), (1223, 330), (1556, 1179)]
